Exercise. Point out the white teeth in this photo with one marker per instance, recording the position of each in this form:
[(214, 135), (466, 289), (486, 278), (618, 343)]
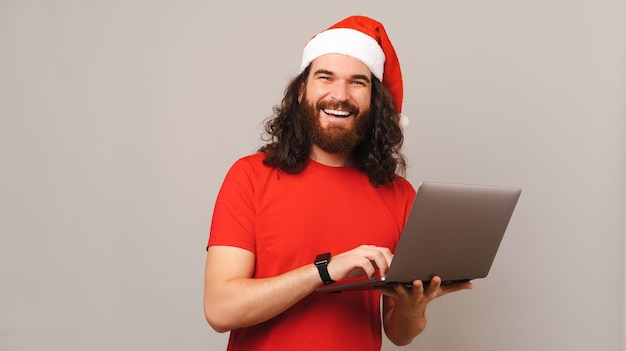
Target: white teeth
[(337, 113)]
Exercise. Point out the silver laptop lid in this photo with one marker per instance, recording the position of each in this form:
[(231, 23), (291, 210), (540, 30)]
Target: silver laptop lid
[(452, 231)]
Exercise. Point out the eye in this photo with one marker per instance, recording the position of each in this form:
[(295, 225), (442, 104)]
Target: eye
[(358, 82)]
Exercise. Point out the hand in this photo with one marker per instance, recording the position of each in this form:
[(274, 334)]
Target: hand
[(404, 308), (363, 260), (412, 301)]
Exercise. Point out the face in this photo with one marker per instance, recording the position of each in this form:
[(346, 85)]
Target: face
[(336, 102)]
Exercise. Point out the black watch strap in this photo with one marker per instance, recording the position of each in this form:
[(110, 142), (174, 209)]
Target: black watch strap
[(321, 262)]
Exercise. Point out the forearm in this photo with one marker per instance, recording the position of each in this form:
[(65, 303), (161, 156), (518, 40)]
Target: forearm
[(401, 327), (234, 299), (242, 302), (404, 308)]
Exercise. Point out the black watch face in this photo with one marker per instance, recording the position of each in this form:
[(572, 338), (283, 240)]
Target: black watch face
[(322, 258)]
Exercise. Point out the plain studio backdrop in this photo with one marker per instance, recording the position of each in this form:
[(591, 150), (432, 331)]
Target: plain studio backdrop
[(119, 120)]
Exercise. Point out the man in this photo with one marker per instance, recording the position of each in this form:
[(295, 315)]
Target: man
[(321, 202)]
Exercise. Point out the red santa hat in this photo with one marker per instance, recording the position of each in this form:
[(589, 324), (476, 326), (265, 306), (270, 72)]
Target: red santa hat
[(366, 40)]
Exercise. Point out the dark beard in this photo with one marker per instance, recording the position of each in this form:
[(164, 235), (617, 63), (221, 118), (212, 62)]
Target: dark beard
[(334, 139)]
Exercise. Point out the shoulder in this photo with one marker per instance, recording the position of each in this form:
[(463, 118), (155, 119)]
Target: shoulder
[(250, 163), (398, 195), (399, 185), (399, 190), (254, 160), (249, 169)]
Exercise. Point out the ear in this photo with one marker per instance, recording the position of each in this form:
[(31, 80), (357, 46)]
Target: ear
[(300, 93)]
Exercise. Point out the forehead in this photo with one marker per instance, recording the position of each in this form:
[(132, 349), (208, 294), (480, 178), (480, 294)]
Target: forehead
[(340, 64)]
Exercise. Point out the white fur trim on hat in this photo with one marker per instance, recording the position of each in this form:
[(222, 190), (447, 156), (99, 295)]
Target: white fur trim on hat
[(404, 121), (349, 42)]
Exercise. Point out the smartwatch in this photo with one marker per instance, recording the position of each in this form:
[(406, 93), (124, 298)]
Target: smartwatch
[(321, 262)]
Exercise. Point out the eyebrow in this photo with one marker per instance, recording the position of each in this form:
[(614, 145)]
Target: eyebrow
[(355, 76)]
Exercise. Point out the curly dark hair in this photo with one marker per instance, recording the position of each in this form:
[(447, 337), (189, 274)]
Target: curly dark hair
[(288, 144)]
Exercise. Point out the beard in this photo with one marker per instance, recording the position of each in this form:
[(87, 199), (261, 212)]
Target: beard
[(334, 139)]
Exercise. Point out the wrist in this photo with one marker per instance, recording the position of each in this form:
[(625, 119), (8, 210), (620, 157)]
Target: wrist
[(321, 262)]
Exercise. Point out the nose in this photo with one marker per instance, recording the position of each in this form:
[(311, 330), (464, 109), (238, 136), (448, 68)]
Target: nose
[(339, 91)]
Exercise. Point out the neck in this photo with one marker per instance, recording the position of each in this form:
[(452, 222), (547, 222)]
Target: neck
[(330, 159)]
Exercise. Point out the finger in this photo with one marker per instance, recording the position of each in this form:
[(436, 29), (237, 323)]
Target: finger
[(368, 260), (387, 291), (418, 286), (434, 285), (401, 289), (396, 290), (456, 286), (381, 258), (368, 266)]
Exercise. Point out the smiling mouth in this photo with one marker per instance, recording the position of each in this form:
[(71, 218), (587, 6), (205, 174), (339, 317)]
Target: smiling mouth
[(337, 109), (337, 113)]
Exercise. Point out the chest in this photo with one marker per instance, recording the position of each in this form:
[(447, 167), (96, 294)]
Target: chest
[(301, 216)]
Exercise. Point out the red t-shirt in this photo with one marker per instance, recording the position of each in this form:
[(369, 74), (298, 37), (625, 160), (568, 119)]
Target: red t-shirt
[(286, 220)]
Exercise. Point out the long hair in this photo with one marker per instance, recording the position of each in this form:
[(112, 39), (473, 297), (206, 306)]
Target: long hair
[(288, 145)]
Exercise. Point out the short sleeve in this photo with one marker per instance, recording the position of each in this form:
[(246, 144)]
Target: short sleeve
[(233, 215)]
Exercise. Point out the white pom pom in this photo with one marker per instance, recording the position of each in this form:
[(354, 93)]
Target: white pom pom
[(404, 121)]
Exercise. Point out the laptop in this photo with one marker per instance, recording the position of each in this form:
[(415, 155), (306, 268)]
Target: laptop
[(452, 231)]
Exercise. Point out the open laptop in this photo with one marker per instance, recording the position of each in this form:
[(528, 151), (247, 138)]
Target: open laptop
[(452, 231)]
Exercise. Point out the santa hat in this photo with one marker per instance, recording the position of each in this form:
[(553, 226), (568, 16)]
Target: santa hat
[(366, 40)]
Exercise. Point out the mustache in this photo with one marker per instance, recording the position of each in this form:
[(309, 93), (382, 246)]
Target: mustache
[(338, 105)]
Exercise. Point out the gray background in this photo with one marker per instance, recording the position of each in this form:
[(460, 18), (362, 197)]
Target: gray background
[(119, 120)]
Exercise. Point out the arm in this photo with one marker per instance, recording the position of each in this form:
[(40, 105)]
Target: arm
[(234, 299), (404, 309)]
